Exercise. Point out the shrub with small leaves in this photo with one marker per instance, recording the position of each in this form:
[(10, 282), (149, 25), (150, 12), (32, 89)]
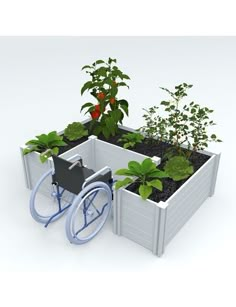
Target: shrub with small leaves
[(146, 174), (155, 127), (46, 144), (177, 118), (178, 168), (75, 131), (129, 140), (183, 125), (200, 122)]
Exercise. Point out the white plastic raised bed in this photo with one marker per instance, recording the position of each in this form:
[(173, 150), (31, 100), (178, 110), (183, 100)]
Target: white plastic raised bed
[(95, 153), (153, 225), (150, 224)]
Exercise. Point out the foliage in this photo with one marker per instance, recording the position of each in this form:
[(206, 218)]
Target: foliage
[(156, 126), (146, 174), (46, 144), (75, 131), (187, 124), (131, 139), (106, 78), (178, 168), (177, 119), (199, 122)]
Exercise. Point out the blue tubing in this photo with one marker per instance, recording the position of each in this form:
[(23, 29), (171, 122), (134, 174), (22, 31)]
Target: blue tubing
[(36, 215), (78, 203)]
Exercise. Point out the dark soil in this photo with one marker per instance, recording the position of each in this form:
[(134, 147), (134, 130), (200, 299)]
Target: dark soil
[(170, 186), (149, 149), (71, 144)]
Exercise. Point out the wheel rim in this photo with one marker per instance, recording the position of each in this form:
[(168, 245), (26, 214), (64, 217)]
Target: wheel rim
[(88, 213), (44, 203)]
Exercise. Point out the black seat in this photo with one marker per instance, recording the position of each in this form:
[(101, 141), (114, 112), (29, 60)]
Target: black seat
[(73, 179)]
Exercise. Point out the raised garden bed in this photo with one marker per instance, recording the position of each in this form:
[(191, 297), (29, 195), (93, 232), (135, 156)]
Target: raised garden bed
[(151, 223), (154, 224), (95, 153), (157, 196)]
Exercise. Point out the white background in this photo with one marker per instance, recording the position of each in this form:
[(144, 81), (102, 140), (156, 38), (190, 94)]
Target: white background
[(39, 77)]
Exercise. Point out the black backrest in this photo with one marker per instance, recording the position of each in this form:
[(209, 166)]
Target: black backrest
[(71, 180)]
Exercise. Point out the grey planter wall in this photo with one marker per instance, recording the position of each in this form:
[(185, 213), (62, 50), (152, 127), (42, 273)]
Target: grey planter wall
[(154, 225)]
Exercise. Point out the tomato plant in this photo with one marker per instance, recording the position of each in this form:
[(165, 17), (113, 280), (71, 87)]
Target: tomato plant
[(108, 111)]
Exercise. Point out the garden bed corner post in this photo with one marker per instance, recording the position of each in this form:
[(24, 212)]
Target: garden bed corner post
[(214, 175), (93, 151), (158, 247)]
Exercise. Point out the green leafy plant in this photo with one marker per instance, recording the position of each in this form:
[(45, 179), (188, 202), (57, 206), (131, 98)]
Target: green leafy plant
[(183, 124), (46, 144), (155, 126), (177, 119), (75, 131), (108, 111), (146, 174), (200, 122), (178, 168), (129, 140)]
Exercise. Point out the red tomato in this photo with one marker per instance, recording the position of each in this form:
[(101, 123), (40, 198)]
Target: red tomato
[(101, 96), (112, 100), (95, 114), (97, 107)]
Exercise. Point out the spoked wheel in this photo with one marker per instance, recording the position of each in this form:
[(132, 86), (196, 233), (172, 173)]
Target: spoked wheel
[(88, 213), (49, 202)]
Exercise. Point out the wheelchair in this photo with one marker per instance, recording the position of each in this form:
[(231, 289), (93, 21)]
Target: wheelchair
[(85, 195)]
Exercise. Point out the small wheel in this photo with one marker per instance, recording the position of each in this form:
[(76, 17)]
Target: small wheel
[(44, 200), (88, 213)]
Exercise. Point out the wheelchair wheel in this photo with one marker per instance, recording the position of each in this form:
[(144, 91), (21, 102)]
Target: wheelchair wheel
[(88, 213), (44, 203)]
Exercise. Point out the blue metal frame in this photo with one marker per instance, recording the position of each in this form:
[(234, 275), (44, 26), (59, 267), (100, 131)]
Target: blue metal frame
[(85, 210), (58, 196)]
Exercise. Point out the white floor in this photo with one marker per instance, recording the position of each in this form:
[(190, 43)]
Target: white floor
[(40, 81)]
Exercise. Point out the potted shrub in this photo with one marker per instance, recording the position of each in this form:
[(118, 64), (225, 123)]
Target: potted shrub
[(152, 217)]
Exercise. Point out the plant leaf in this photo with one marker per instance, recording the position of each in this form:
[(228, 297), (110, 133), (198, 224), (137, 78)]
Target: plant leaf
[(122, 183), (178, 168), (99, 62), (75, 131), (124, 172), (145, 191), (158, 174), (86, 66), (135, 167), (147, 166), (125, 76), (55, 151), (106, 132), (86, 105), (28, 150), (86, 86), (125, 109), (156, 183)]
